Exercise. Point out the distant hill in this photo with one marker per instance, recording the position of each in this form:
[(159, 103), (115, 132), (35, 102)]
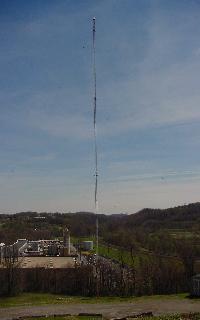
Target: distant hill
[(29, 225), (178, 217)]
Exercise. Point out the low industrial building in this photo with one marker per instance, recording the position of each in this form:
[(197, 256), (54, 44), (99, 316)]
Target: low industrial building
[(41, 253)]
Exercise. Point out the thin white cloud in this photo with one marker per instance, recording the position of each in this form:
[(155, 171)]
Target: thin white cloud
[(68, 126)]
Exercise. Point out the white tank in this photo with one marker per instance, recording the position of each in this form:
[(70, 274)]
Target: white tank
[(66, 240)]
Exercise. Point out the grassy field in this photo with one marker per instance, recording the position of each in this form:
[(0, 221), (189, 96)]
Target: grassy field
[(28, 299), (120, 255), (109, 252), (116, 254), (179, 233)]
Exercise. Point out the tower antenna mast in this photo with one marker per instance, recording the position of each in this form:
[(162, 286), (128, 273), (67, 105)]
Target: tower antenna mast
[(95, 137)]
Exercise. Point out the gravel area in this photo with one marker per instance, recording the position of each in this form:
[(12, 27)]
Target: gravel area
[(108, 310)]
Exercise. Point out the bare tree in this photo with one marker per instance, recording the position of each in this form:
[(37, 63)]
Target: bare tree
[(11, 264)]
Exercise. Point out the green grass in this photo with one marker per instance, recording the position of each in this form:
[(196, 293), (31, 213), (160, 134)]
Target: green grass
[(29, 299), (53, 318), (111, 252), (46, 298), (180, 233), (122, 255), (116, 254), (68, 318), (190, 316)]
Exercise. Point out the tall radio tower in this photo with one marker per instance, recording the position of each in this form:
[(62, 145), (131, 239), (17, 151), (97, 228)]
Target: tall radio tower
[(95, 137)]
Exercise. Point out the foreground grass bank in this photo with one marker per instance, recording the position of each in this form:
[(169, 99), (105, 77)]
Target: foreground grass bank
[(68, 318), (31, 299), (190, 316)]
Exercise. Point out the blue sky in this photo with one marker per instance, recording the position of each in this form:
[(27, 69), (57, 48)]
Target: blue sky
[(148, 101)]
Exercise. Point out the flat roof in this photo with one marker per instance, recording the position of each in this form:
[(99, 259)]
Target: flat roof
[(47, 262)]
